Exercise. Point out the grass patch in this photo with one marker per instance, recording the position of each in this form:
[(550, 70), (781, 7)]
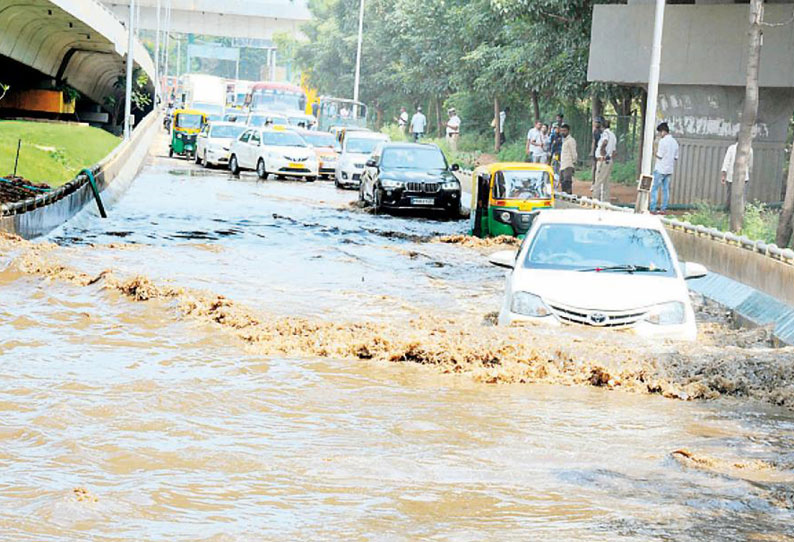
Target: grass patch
[(52, 153), (760, 222)]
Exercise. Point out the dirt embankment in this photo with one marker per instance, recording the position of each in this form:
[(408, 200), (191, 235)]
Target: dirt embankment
[(488, 354)]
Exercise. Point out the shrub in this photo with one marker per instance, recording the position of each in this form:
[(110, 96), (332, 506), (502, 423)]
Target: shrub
[(760, 222)]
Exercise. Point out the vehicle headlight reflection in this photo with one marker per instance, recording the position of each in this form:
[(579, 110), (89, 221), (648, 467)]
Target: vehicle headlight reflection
[(529, 305)]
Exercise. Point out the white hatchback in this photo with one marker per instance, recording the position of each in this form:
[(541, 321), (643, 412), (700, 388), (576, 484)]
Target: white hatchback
[(214, 142), (599, 269), (273, 152)]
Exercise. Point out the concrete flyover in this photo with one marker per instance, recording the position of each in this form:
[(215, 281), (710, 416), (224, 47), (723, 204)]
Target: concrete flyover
[(259, 19), (79, 41)]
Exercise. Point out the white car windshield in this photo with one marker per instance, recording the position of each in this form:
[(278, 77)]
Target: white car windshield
[(522, 185), (226, 132), (422, 159), (599, 248), (283, 139), (361, 145)]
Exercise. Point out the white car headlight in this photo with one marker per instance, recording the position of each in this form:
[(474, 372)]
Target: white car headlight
[(667, 314), (451, 185), (529, 305), (388, 183)]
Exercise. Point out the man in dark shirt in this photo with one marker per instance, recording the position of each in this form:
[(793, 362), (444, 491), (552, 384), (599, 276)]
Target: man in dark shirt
[(598, 128)]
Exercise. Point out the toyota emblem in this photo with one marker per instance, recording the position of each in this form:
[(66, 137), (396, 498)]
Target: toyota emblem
[(597, 318)]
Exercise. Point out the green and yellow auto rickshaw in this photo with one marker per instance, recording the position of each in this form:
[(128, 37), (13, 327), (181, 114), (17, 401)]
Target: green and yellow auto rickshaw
[(505, 195), (185, 127)]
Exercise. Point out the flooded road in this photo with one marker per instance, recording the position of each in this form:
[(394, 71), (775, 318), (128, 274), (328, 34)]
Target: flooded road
[(124, 420)]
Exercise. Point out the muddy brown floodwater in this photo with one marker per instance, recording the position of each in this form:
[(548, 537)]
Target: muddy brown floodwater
[(230, 360)]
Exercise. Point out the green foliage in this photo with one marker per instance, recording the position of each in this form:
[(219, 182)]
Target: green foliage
[(625, 172), (52, 153), (466, 53), (760, 222), (513, 152)]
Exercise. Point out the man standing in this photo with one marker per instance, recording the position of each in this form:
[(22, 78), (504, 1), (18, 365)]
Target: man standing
[(535, 143), (597, 129), (727, 171), (568, 158), (555, 146), (666, 155), (402, 120), (418, 124), (453, 129), (605, 159)]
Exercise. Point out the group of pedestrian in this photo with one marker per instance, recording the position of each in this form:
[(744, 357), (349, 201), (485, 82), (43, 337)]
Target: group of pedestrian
[(417, 125), (554, 146)]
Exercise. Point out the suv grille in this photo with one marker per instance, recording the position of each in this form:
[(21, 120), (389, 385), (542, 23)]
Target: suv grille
[(428, 188)]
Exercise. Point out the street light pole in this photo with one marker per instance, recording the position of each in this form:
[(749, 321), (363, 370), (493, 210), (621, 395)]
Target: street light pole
[(130, 60), (157, 57), (358, 50), (643, 194)]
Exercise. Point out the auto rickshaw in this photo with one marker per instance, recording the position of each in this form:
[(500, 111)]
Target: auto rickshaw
[(185, 128), (505, 195)]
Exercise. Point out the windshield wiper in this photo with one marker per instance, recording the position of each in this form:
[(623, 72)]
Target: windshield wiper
[(625, 268)]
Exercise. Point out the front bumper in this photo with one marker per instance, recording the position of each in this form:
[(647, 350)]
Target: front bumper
[(281, 166), (217, 156), (641, 328), (400, 198), (349, 177)]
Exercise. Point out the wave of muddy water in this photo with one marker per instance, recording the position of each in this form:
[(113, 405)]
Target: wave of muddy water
[(216, 362)]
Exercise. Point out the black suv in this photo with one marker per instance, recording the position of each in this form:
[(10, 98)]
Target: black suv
[(410, 176)]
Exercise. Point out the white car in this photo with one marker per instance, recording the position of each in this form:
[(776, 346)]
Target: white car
[(273, 151), (599, 269), (214, 141), (356, 149)]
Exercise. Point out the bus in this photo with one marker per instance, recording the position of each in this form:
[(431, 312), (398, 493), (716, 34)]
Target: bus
[(277, 97)]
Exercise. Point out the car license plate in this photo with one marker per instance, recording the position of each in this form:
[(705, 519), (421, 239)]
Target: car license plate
[(423, 201), (295, 165)]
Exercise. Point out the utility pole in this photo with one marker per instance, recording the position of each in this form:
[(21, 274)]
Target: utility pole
[(130, 60), (749, 114), (646, 176), (167, 41), (358, 50), (157, 57)]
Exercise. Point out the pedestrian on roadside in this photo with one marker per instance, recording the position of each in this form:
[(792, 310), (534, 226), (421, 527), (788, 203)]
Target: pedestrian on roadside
[(666, 156), (597, 129), (402, 121), (418, 124), (555, 146), (728, 164), (502, 118), (605, 159), (534, 146), (453, 129), (568, 158), (544, 155)]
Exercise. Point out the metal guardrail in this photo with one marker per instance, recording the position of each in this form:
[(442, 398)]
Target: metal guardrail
[(57, 194), (770, 250)]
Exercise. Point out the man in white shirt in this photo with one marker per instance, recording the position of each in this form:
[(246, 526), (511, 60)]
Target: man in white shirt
[(728, 164), (453, 129), (535, 143), (666, 156), (418, 124), (402, 120), (604, 155)]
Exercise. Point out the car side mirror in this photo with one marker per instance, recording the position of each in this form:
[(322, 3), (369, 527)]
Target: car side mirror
[(372, 163), (694, 270), (504, 258), (455, 167)]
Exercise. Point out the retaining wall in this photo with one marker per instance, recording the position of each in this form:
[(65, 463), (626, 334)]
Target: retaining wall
[(40, 215)]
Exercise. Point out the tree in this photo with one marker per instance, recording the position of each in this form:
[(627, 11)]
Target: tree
[(785, 227), (749, 113)]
